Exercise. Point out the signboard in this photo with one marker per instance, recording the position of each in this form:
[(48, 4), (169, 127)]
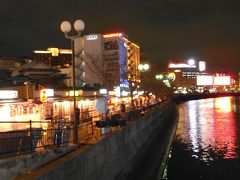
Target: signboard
[(202, 65), (43, 95), (181, 65), (101, 105), (171, 76), (91, 37), (222, 80), (8, 94), (204, 80)]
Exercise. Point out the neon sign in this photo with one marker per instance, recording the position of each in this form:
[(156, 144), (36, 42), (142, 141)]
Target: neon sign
[(112, 35), (181, 65), (171, 76)]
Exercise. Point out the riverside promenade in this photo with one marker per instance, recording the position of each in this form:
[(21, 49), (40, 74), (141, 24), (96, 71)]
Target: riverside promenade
[(115, 155)]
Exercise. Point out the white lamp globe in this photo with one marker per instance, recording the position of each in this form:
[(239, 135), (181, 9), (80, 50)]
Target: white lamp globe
[(145, 66), (160, 76), (140, 67), (65, 26), (191, 62), (79, 25)]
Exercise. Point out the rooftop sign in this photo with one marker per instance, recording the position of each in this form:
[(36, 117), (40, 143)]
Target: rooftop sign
[(113, 35)]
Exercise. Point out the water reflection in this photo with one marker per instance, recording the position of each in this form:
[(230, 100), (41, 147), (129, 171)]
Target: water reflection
[(209, 126)]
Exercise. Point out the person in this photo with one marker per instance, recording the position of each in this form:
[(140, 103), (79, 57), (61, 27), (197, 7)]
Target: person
[(123, 107), (77, 115)]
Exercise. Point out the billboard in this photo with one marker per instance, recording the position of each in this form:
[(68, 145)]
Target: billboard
[(222, 80), (202, 65), (8, 94), (181, 65), (204, 80)]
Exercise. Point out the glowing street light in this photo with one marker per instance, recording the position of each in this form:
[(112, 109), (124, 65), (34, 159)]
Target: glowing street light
[(191, 62), (79, 26), (159, 76), (143, 67)]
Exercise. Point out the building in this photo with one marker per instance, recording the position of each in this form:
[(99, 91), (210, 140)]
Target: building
[(54, 57), (7, 64), (186, 72), (122, 58), (92, 61), (109, 60)]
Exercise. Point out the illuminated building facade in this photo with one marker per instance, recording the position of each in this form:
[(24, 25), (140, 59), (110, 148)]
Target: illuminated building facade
[(54, 57), (121, 58), (110, 60), (186, 72), (219, 82), (133, 62)]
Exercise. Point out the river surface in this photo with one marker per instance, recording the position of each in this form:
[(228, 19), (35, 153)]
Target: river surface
[(207, 141)]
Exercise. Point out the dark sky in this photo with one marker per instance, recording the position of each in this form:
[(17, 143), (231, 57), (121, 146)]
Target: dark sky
[(201, 29)]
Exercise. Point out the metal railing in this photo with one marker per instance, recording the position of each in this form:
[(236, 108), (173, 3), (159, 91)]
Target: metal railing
[(29, 136)]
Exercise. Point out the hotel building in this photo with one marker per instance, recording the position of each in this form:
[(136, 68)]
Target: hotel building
[(109, 60)]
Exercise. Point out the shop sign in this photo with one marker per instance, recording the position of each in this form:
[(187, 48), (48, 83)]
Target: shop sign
[(8, 94)]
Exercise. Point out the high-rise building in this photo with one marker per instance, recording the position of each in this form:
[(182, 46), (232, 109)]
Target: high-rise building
[(121, 58), (110, 60), (90, 64)]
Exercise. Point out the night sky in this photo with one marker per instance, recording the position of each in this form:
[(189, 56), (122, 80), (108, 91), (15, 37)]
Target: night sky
[(202, 29)]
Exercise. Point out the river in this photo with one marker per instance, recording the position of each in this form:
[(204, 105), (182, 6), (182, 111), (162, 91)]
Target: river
[(207, 141)]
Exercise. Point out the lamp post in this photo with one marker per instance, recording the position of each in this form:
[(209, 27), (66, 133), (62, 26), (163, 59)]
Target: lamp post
[(66, 28), (27, 88), (143, 67), (159, 76)]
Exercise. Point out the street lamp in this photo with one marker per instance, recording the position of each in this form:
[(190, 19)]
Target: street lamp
[(159, 76), (27, 88), (143, 67), (79, 26), (191, 62)]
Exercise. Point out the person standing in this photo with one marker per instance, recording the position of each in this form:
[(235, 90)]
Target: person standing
[(122, 107), (77, 115)]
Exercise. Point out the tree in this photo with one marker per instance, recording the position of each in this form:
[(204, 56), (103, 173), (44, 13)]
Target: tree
[(151, 85)]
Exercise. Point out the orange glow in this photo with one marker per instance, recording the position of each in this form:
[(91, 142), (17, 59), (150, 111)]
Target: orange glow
[(223, 104), (43, 95), (225, 127), (54, 51), (112, 35), (65, 51), (135, 45), (20, 112)]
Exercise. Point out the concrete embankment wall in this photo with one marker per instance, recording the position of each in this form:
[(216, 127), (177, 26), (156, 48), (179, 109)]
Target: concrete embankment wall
[(115, 157)]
